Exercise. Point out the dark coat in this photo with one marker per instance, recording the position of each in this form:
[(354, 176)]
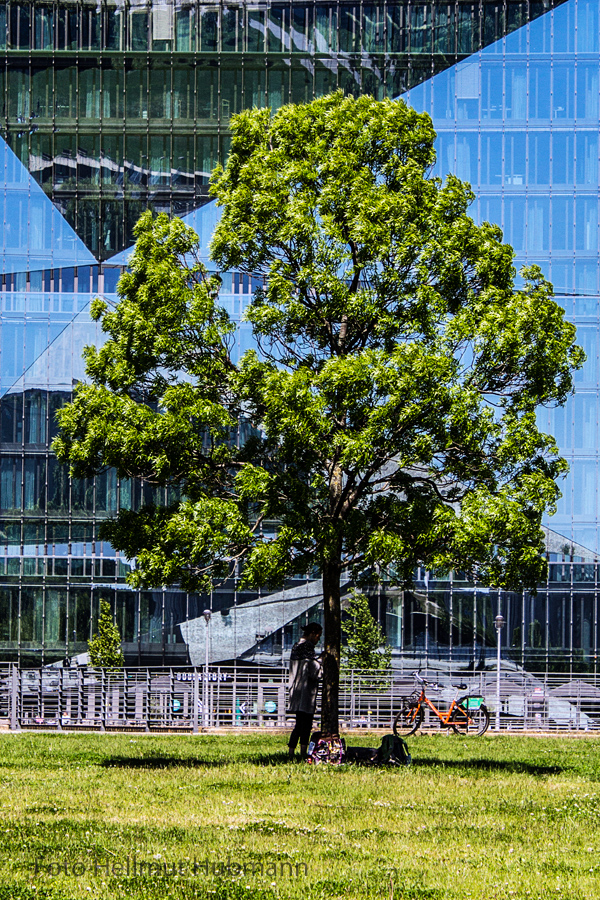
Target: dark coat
[(305, 672)]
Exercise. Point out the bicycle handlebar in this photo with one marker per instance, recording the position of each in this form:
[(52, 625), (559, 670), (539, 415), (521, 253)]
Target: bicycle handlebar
[(435, 684), (432, 684)]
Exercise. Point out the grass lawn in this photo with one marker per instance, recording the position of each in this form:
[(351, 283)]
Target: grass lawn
[(491, 817)]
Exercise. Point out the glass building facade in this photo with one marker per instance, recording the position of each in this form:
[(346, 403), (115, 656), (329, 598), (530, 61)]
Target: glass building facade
[(111, 108), (117, 106)]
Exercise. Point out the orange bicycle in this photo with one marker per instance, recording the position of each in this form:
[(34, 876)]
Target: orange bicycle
[(467, 714)]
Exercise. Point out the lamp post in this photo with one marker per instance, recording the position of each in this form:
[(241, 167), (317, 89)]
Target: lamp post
[(499, 626), (207, 616)]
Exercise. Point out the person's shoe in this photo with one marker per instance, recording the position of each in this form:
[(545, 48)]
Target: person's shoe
[(303, 752), (291, 753)]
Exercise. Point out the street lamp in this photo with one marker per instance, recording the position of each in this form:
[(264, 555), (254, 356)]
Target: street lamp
[(207, 617), (499, 621)]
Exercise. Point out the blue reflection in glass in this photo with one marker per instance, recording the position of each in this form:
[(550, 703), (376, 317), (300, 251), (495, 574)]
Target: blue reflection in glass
[(34, 235), (538, 177)]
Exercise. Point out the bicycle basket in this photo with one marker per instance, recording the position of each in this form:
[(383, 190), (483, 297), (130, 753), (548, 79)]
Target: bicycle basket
[(414, 699), (472, 702)]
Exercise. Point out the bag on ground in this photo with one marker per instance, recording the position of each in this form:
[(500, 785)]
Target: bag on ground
[(394, 751), (327, 749), (362, 756)]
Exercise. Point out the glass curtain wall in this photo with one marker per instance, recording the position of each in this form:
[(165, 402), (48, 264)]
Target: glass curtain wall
[(114, 107), (54, 569), (448, 623), (519, 121)]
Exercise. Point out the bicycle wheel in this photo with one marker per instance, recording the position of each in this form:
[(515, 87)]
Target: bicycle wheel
[(408, 720), (470, 722)]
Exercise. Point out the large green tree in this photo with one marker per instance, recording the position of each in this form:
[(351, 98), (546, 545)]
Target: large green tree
[(391, 398)]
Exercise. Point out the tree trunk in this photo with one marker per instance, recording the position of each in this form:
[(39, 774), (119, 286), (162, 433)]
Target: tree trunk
[(332, 570)]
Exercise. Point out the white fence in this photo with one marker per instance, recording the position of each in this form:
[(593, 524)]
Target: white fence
[(179, 699)]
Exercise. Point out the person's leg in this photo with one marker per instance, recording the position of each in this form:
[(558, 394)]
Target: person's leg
[(306, 728), (301, 732), (295, 735)]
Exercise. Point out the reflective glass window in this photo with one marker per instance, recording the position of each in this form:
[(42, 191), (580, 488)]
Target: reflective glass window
[(112, 95), (586, 225), (113, 28), (467, 28), (584, 488), (12, 419), (65, 92), (586, 157), (587, 337), (209, 26), (514, 222), (564, 29), (277, 27), (90, 29), (34, 483), (326, 29), (31, 615), (587, 27), (89, 93), (586, 424), (138, 24), (491, 93), (19, 25), (43, 28), (372, 29), (208, 92), (349, 28), (515, 158), (516, 91), (563, 94), (67, 28), (160, 93), (397, 35), (185, 29), (35, 417), (231, 92), (137, 94), (538, 224), (539, 158), (562, 223)]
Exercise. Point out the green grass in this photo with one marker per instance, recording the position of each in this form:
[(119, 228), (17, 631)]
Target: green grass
[(494, 817)]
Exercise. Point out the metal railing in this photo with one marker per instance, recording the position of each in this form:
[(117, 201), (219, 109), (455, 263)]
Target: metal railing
[(184, 699)]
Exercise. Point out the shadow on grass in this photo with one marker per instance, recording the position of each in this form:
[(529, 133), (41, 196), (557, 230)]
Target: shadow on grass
[(513, 766), (192, 762)]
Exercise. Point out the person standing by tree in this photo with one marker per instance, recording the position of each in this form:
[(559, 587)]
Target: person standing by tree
[(305, 672)]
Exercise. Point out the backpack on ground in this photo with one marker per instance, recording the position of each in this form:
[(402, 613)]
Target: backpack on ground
[(326, 749), (394, 751)]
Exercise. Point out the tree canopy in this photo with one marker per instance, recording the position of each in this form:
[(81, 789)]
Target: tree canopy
[(389, 406)]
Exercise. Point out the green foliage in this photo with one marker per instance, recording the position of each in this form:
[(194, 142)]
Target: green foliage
[(104, 647), (392, 404), (366, 646)]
